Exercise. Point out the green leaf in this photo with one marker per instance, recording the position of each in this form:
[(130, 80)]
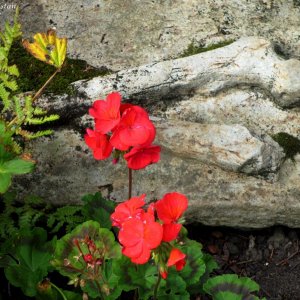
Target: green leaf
[(98, 209), (239, 286), (141, 277), (73, 246), (195, 265), (5, 181), (227, 296), (33, 253), (17, 166), (175, 288)]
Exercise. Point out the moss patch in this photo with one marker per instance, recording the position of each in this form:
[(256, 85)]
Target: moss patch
[(34, 73), (289, 143), (193, 49)]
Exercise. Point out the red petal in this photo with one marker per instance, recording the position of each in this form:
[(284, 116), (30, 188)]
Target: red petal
[(171, 207), (106, 112), (134, 251), (175, 257), (143, 258), (153, 233), (170, 231), (131, 233), (140, 157)]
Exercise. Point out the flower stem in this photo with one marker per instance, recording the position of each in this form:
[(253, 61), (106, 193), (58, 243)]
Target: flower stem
[(59, 290), (129, 182), (99, 288), (156, 286)]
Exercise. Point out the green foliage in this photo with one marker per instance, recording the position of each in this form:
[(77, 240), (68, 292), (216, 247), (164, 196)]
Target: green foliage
[(289, 143), (32, 254), (141, 277), (8, 73), (194, 49), (89, 239), (232, 287), (32, 212), (9, 166), (98, 209)]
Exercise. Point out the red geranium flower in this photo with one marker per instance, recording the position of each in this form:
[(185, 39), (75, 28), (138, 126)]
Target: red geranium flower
[(127, 210), (134, 129), (171, 207), (176, 258), (99, 143), (139, 238), (140, 157), (106, 112), (170, 231)]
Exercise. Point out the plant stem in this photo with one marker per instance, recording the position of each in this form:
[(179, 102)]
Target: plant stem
[(129, 182), (156, 286), (59, 290), (40, 91), (99, 288)]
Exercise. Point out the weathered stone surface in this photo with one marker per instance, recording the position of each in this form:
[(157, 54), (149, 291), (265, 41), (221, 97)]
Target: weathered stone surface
[(231, 147), (66, 171), (251, 109), (247, 62), (121, 34)]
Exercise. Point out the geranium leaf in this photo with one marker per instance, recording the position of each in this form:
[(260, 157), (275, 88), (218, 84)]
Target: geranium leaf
[(231, 284), (175, 288), (33, 253), (73, 247), (195, 266), (98, 209)]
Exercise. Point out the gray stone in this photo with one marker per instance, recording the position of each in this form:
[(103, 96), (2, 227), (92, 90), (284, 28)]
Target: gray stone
[(122, 34), (249, 108), (231, 147), (248, 62)]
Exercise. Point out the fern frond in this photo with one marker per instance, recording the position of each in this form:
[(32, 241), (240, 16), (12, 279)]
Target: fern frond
[(12, 85), (39, 121), (39, 111), (18, 108), (8, 35), (4, 96), (16, 148), (38, 134), (25, 219), (13, 70)]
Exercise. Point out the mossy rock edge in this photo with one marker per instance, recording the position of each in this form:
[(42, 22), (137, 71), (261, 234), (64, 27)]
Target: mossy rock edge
[(34, 73)]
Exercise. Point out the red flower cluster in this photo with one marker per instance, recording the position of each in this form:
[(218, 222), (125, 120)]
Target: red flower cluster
[(140, 232), (125, 128)]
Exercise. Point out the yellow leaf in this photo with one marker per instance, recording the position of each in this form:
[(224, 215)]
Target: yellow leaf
[(48, 47)]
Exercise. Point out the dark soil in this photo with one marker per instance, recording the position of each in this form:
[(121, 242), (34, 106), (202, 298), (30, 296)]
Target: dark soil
[(271, 257)]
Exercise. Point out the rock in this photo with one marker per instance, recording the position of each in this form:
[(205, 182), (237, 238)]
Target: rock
[(244, 107), (231, 147), (216, 197), (157, 30), (248, 62)]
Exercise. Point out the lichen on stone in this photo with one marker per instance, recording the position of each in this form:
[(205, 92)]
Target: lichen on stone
[(34, 73), (193, 49), (289, 143)]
